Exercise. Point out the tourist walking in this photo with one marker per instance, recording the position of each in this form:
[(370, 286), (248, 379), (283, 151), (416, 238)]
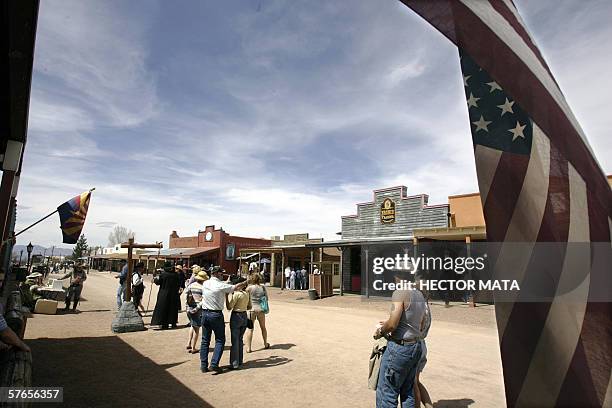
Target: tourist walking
[(304, 276), (193, 294), (77, 277), (399, 362), (298, 279), (292, 279), (122, 278), (213, 301), (138, 287), (287, 277), (238, 302), (195, 269), (259, 308), (166, 307)]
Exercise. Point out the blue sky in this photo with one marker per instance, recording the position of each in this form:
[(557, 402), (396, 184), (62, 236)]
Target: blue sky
[(266, 117)]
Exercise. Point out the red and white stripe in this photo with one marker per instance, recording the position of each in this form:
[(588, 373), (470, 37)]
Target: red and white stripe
[(558, 352)]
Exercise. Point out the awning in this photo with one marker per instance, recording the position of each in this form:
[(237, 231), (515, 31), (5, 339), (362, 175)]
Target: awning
[(178, 253), (363, 241), (452, 233), (111, 256), (246, 257)]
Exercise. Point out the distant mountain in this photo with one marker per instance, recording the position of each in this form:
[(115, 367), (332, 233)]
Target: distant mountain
[(39, 250)]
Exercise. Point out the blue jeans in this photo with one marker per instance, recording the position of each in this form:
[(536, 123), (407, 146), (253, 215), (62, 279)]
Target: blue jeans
[(238, 325), (396, 377), (212, 322), (120, 292)]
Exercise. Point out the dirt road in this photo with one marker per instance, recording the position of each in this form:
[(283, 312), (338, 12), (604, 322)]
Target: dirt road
[(318, 358)]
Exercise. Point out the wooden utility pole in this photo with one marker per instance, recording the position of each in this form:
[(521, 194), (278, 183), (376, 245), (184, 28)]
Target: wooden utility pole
[(130, 246)]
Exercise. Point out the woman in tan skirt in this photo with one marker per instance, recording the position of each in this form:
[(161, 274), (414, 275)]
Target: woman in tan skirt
[(256, 291)]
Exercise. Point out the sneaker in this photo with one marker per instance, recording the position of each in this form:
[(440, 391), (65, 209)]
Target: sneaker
[(216, 369), (204, 369)]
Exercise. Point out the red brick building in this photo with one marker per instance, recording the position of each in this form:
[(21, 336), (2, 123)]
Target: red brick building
[(214, 247)]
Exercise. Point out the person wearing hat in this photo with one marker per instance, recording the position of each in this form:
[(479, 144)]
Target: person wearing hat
[(77, 277), (138, 286), (193, 295), (238, 302), (195, 269), (214, 292), (29, 289), (168, 298)]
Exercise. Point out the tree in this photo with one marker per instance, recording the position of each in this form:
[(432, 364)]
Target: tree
[(80, 249), (119, 235)]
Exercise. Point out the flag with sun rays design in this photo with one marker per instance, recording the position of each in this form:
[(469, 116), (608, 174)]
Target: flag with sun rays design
[(72, 217)]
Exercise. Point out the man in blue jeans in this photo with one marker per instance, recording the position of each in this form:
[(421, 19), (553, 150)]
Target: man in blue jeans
[(122, 278), (214, 292), (398, 365)]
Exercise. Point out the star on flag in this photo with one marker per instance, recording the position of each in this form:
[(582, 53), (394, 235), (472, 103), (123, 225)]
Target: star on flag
[(471, 101), (481, 124), (517, 131), (506, 107)]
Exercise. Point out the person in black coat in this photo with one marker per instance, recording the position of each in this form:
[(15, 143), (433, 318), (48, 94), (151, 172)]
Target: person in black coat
[(167, 305), (182, 280)]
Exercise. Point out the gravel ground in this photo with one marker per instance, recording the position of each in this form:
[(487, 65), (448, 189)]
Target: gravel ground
[(318, 356)]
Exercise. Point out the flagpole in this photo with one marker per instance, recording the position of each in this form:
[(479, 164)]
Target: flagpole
[(37, 222)]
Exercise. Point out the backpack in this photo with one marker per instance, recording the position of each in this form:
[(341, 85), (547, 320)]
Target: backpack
[(263, 302), (189, 297)]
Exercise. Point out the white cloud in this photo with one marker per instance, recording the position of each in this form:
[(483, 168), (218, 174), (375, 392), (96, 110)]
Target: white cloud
[(99, 58), (406, 71)]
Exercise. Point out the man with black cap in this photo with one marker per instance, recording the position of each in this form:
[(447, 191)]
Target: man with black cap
[(214, 292)]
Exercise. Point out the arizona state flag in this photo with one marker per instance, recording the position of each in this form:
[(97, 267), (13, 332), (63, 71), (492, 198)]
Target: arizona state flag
[(72, 217)]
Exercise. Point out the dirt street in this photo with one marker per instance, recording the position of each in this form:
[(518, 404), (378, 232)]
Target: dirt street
[(319, 356)]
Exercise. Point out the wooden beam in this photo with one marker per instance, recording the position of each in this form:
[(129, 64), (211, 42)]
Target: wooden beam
[(130, 245), (283, 269), (341, 272), (128, 286), (140, 246)]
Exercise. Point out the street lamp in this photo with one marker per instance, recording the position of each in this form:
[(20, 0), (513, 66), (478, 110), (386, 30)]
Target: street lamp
[(29, 248)]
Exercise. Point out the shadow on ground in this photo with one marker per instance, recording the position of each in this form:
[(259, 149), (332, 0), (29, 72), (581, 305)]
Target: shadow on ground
[(106, 372), (271, 361), (456, 403), (61, 311), (284, 346)]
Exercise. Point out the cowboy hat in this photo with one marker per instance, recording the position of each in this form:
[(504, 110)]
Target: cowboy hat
[(201, 276)]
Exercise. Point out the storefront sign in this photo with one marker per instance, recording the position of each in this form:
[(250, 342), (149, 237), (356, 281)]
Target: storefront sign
[(230, 252), (387, 211)]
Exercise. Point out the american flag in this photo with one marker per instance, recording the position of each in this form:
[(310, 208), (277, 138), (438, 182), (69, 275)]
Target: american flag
[(539, 183)]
